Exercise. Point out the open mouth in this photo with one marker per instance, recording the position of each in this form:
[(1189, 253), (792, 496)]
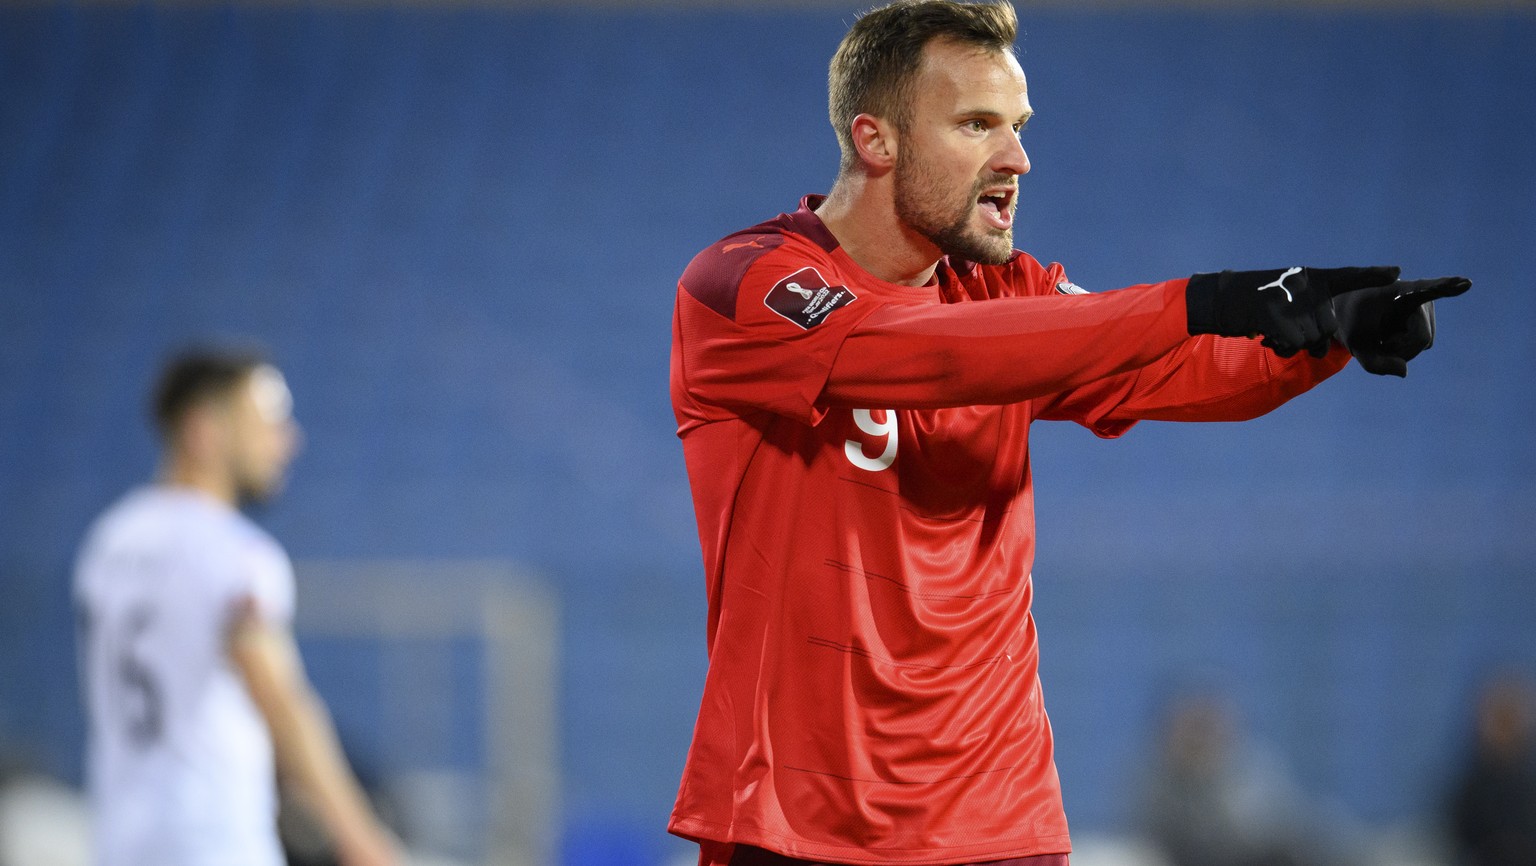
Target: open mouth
[(997, 206)]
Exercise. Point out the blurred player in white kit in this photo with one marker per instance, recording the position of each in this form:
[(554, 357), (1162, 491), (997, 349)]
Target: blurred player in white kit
[(192, 680)]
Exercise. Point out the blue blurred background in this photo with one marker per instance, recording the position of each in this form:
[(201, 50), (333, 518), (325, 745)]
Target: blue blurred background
[(459, 231)]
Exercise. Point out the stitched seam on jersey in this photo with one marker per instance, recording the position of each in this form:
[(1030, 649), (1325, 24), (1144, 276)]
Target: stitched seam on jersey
[(849, 568), (896, 782), (938, 518), (827, 643)]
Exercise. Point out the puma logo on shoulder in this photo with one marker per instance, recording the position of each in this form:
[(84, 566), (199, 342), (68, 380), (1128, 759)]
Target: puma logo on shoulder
[(752, 244)]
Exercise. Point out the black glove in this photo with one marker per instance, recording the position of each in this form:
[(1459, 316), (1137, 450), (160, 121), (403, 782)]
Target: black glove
[(1291, 309), (1385, 327)]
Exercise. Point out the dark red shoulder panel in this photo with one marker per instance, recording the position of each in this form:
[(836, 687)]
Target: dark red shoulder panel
[(715, 275)]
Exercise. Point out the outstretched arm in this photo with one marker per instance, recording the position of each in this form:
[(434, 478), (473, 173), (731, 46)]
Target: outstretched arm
[(1016, 340), (304, 739)]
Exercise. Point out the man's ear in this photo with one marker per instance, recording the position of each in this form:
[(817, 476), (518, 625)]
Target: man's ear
[(875, 141), (201, 432)]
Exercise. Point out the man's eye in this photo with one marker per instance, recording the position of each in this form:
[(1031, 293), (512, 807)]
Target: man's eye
[(977, 125)]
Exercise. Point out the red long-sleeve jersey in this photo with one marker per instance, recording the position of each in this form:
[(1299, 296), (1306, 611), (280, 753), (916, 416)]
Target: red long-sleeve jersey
[(858, 455)]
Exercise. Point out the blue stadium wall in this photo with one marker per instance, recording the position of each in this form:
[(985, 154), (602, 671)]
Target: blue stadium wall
[(460, 231)]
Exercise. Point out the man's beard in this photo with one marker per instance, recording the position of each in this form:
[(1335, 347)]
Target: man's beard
[(918, 197), (254, 498), (254, 492)]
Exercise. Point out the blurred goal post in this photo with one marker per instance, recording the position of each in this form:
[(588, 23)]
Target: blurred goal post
[(456, 651)]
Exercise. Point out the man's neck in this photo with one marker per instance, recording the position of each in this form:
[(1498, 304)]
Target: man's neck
[(185, 474), (861, 213)]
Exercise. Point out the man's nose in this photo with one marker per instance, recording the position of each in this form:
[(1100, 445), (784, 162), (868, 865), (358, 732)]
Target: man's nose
[(1012, 159)]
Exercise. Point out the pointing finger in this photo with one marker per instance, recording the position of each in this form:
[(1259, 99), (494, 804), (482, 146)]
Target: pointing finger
[(1418, 291)]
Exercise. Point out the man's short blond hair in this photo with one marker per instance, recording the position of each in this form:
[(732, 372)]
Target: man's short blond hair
[(874, 67)]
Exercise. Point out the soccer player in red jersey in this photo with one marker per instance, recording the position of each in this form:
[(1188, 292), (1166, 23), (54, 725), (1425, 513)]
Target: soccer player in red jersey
[(854, 384)]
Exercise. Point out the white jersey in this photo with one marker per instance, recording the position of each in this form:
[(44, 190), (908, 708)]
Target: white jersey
[(179, 761)]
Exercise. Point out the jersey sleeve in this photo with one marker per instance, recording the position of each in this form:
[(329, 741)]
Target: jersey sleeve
[(265, 578), (1206, 378), (1007, 335), (757, 327)]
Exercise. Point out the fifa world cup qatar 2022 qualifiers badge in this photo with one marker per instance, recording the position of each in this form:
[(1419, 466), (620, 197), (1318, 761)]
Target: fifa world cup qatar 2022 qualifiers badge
[(804, 298)]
